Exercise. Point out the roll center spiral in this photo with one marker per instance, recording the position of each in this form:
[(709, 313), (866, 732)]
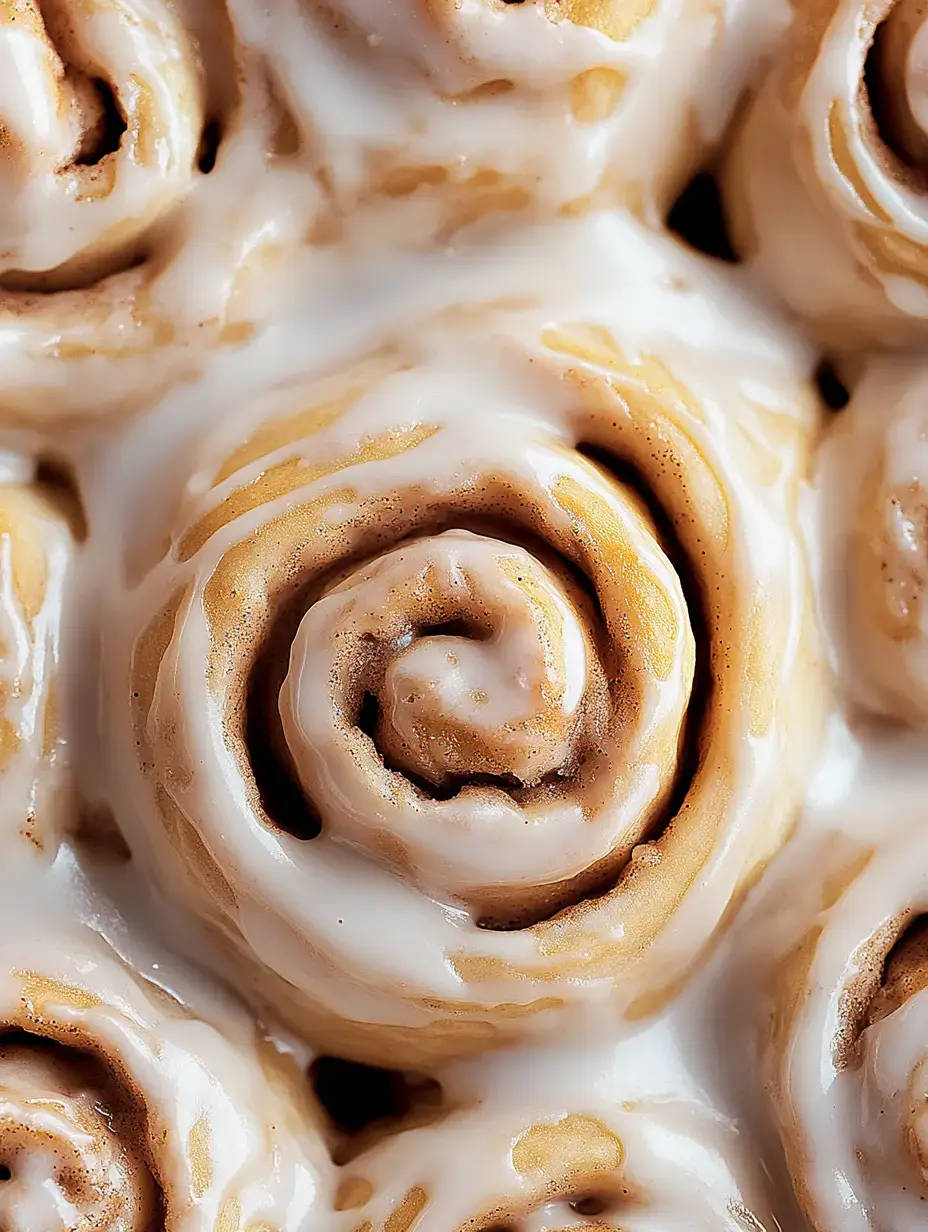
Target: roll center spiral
[(463, 691), (499, 698)]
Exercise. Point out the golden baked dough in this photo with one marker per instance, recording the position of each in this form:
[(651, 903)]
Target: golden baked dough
[(477, 680), (428, 117), (36, 551), (851, 1078), (125, 248), (828, 176), (120, 1110)]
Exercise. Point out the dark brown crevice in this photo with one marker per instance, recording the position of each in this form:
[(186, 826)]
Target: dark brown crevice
[(886, 97), (369, 715), (832, 390), (97, 831), (103, 122), (210, 140), (75, 275), (590, 1205), (59, 485), (279, 790), (455, 628), (5, 1173), (365, 1102), (276, 781), (698, 218)]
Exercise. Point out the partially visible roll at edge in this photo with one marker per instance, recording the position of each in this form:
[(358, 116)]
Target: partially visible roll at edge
[(849, 1065), (120, 1108), (874, 513), (436, 118), (129, 251), (826, 181), (36, 553)]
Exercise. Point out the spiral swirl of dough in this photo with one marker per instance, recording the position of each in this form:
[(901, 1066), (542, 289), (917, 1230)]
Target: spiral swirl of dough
[(876, 496), (852, 1078), (828, 179), (585, 1164), (123, 128), (120, 1110), (438, 115), (478, 638), (36, 550)]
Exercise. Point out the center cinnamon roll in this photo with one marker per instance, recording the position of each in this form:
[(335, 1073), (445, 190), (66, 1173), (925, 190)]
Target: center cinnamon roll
[(491, 638), (478, 701)]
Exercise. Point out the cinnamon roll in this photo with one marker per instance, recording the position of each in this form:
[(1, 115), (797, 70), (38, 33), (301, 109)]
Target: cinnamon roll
[(125, 246), (640, 1166), (442, 115), (849, 1037), (828, 176), (120, 1110), (36, 550), (875, 498), (477, 679)]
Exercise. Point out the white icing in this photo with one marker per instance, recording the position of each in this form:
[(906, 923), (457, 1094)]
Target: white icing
[(51, 211), (682, 1168)]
